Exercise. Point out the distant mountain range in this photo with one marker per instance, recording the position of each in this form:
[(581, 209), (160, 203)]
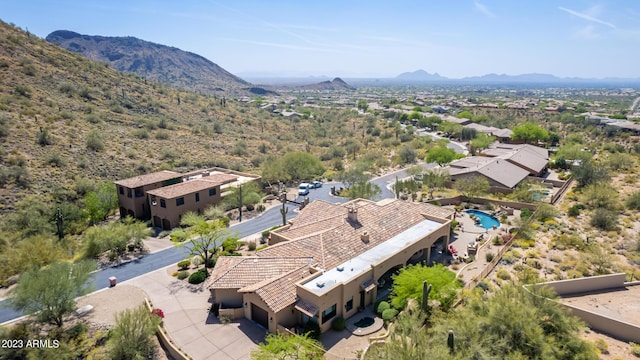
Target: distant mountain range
[(423, 76), (161, 63)]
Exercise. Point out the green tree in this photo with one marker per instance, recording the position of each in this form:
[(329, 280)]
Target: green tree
[(288, 348), (434, 180), (471, 186), (442, 155), (407, 284), (481, 141), (512, 323), (50, 293), (589, 172), (363, 105), (451, 128), (529, 133), (35, 251), (415, 171), (300, 165), (363, 190), (273, 171), (247, 194), (100, 203), (353, 175), (132, 335), (407, 154), (206, 236)]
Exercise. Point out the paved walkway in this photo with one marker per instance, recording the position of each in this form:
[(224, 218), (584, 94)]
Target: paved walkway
[(189, 324)]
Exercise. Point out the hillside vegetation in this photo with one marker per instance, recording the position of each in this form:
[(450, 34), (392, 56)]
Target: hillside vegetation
[(167, 65)]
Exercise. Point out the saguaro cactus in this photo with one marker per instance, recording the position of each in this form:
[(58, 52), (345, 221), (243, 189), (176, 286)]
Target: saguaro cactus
[(426, 289), (284, 212), (451, 342)]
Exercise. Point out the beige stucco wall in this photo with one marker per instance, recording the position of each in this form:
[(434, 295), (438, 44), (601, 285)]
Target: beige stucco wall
[(173, 213), (593, 283), (228, 297), (341, 293), (616, 328), (252, 298)]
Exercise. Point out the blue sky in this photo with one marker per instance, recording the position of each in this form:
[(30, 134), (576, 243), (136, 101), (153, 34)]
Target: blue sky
[(366, 38)]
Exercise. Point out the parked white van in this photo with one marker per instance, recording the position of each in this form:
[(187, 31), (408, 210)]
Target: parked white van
[(303, 189)]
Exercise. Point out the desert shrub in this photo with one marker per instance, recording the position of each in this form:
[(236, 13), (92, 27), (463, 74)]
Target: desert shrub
[(251, 246), (95, 141), (210, 263), (635, 349), (503, 274), (604, 219), (184, 264), (602, 346), (389, 314), (339, 324), (574, 211), (633, 202), (525, 213), (382, 307), (311, 329), (198, 276), (489, 257), (182, 275)]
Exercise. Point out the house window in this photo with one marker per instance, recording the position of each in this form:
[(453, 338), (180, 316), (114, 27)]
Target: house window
[(138, 192), (212, 192), (349, 305), (180, 201), (329, 313), (128, 193), (121, 190), (163, 203), (197, 197)]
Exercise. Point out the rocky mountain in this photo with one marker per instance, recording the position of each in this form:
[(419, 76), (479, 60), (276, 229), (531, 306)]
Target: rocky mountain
[(165, 64), (335, 84), (420, 75)]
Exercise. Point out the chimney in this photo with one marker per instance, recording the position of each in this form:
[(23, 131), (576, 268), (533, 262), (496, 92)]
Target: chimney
[(352, 215), (205, 173), (365, 237)]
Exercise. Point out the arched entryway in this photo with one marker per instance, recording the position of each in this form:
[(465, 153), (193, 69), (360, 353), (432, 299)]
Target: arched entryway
[(385, 282)]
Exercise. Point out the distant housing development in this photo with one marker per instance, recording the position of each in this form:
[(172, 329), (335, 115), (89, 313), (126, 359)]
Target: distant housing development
[(504, 165), (164, 196), (328, 262)]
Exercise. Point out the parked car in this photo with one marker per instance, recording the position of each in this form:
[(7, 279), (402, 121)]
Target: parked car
[(317, 184), (303, 189)]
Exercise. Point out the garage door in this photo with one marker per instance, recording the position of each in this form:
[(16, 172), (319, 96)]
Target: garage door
[(260, 316)]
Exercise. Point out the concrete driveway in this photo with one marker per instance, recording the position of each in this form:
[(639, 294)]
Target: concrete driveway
[(189, 324)]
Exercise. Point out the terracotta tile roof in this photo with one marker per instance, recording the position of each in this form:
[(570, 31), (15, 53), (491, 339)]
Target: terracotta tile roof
[(192, 186), (499, 170), (234, 272), (279, 292), (338, 240), (147, 179)]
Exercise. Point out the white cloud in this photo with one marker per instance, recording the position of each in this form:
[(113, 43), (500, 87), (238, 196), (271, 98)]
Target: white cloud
[(483, 9), (588, 32), (587, 17)]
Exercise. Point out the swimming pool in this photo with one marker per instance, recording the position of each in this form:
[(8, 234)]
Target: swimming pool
[(540, 194), (486, 221)]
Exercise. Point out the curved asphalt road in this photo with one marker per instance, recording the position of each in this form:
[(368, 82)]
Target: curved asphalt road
[(151, 262)]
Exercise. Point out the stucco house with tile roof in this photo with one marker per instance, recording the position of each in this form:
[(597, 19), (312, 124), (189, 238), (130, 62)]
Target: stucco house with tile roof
[(532, 158), (499, 172), (327, 262), (164, 196)]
